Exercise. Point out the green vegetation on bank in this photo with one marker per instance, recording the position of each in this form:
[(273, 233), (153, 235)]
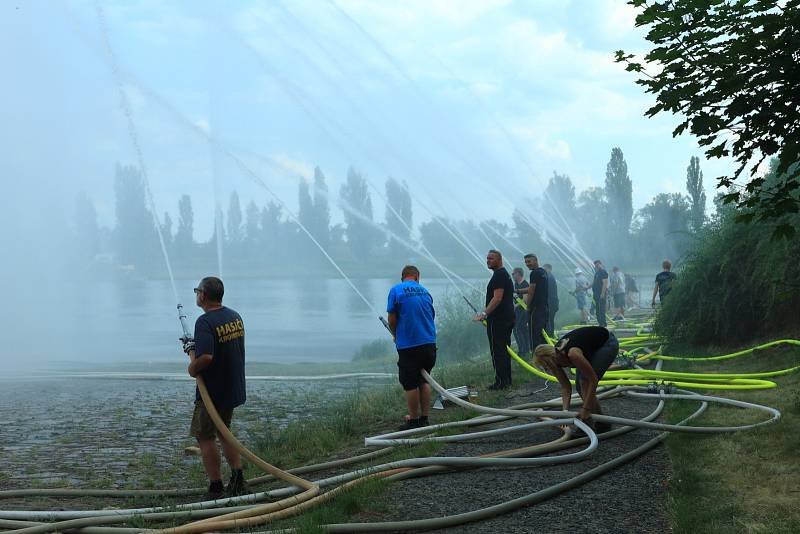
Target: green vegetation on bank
[(746, 481), (735, 285)]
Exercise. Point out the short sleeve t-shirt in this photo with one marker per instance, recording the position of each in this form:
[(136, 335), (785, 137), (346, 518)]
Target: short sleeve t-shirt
[(597, 285), (664, 280), (539, 277), (220, 333), (413, 306), (505, 311), (617, 283), (588, 338), (522, 285), (552, 293)]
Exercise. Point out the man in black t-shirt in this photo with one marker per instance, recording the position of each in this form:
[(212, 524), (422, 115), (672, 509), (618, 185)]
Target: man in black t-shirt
[(537, 298), (600, 291), (590, 350), (552, 299), (664, 281), (522, 328), (217, 355), (499, 317)]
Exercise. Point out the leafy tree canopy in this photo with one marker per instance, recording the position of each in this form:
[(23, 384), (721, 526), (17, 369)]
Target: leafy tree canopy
[(731, 68)]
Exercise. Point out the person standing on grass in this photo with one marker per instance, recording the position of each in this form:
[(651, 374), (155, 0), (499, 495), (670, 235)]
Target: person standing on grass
[(522, 331), (217, 355), (581, 288), (552, 299), (499, 316), (600, 292), (590, 350), (618, 293), (411, 321), (664, 281), (536, 299)]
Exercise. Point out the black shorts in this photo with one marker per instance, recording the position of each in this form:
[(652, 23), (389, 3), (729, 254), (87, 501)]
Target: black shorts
[(601, 360), (411, 360), (619, 300)]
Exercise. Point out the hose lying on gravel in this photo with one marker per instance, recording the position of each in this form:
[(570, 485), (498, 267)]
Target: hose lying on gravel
[(301, 494)]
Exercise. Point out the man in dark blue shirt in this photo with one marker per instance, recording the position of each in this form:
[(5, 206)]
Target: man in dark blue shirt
[(536, 299), (499, 317), (552, 299), (600, 291), (217, 355), (664, 281), (411, 321)]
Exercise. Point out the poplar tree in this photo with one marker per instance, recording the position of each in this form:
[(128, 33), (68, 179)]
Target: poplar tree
[(697, 195)]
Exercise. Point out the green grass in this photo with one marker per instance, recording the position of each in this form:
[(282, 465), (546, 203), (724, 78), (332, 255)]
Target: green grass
[(747, 481)]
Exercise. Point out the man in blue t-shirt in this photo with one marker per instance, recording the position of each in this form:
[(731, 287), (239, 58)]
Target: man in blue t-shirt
[(411, 321), (217, 355)]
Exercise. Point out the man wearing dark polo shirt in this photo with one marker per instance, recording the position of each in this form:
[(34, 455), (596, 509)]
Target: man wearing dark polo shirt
[(217, 355), (499, 317), (600, 291), (411, 321), (536, 299)]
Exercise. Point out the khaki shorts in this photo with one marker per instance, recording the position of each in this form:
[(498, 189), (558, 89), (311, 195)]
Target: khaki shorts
[(202, 426)]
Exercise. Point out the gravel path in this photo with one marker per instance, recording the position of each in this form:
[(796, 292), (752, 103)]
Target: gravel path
[(628, 499)]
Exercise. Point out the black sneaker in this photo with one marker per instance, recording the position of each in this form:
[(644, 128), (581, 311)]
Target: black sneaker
[(423, 420), (494, 387), (408, 425), (215, 491), (236, 486)]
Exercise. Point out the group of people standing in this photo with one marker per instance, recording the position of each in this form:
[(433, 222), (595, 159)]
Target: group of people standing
[(618, 289), (527, 308)]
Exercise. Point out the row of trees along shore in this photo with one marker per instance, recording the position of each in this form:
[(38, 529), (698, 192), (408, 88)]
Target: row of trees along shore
[(265, 239)]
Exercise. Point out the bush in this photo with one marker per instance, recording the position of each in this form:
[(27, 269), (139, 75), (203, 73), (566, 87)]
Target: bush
[(737, 284), (375, 350)]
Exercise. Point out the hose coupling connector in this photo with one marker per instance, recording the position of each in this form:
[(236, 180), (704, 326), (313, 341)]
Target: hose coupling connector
[(660, 387)]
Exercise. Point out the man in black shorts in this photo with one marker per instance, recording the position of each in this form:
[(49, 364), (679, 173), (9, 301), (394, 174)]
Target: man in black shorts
[(591, 350), (499, 317), (411, 321), (217, 355)]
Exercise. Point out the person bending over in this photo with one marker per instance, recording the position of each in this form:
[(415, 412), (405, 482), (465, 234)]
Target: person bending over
[(411, 321), (591, 351), (217, 355)]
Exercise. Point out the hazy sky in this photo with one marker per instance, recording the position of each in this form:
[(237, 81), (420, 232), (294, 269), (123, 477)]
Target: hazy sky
[(473, 103)]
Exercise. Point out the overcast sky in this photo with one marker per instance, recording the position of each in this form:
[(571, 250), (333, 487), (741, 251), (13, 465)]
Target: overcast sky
[(473, 103)]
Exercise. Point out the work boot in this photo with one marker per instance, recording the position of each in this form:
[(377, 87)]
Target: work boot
[(236, 485), (215, 491), (411, 423)]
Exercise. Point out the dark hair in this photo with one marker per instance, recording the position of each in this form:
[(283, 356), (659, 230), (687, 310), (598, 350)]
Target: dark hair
[(212, 287), (526, 256), (597, 261), (409, 270), (495, 251)]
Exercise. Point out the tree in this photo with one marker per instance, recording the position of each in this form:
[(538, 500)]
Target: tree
[(234, 219), (166, 230), (619, 196), (322, 210), (731, 68), (663, 226), (592, 224), (184, 236), (398, 210), (305, 206), (86, 227), (252, 223), (357, 204), (135, 240), (560, 194), (697, 195)]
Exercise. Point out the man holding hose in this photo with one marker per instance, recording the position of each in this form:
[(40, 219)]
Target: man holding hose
[(590, 350), (217, 355)]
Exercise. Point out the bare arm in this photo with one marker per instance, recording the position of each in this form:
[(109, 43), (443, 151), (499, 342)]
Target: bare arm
[(655, 291), (198, 364), (497, 298), (529, 295), (588, 380), (566, 387), (604, 291)]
